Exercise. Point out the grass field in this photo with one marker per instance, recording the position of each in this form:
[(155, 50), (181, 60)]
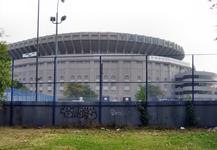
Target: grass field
[(102, 139)]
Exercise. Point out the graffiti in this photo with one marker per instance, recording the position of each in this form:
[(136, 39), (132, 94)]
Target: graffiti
[(115, 113), (88, 113)]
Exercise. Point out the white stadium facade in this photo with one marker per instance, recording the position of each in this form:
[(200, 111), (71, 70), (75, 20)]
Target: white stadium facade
[(123, 57)]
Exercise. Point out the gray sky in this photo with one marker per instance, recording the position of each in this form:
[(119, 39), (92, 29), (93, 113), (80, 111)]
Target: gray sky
[(189, 23)]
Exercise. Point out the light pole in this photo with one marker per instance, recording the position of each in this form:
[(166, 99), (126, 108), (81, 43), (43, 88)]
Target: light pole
[(55, 20)]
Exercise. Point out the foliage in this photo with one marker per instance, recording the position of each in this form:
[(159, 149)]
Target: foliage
[(141, 96), (142, 108), (190, 114), (152, 91), (20, 86), (214, 4), (5, 63), (76, 90)]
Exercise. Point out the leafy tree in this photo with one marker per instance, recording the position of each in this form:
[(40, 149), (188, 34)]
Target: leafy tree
[(20, 86), (141, 96), (214, 4), (152, 91), (5, 63), (76, 90), (190, 118)]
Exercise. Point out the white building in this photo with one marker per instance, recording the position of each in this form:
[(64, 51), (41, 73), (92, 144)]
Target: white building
[(205, 85), (123, 57)]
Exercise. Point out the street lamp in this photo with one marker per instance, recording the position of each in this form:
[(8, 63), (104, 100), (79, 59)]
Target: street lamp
[(55, 20)]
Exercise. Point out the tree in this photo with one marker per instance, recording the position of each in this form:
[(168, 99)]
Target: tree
[(152, 91), (20, 86), (190, 118), (214, 4), (5, 63), (141, 96), (76, 90)]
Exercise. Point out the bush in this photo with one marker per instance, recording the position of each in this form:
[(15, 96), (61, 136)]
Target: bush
[(190, 114)]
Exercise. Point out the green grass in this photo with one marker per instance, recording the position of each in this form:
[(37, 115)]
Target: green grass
[(97, 139)]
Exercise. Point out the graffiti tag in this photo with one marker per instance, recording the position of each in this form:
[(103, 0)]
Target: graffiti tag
[(85, 112)]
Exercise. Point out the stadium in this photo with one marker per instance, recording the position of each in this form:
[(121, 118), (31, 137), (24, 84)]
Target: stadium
[(123, 57)]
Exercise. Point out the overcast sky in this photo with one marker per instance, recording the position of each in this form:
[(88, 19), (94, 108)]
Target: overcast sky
[(189, 23)]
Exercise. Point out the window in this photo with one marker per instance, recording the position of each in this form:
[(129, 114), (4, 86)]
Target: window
[(71, 62), (139, 78), (113, 87), (126, 62), (31, 79), (72, 78), (61, 78), (139, 62), (97, 88), (49, 63), (86, 78), (40, 79), (126, 78), (49, 79), (105, 88), (113, 78), (40, 88), (126, 87), (49, 89), (97, 77), (62, 62), (79, 78), (61, 88), (106, 78)]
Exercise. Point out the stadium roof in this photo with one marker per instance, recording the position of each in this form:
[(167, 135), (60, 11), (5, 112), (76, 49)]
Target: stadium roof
[(98, 43)]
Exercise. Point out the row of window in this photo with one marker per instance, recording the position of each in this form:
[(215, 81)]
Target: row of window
[(78, 62), (61, 88), (195, 84), (85, 78), (195, 77), (195, 92)]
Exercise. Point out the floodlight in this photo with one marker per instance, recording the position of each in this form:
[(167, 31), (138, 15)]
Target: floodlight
[(63, 18), (52, 19)]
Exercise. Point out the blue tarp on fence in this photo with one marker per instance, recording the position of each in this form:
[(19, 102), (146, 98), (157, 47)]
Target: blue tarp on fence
[(25, 95)]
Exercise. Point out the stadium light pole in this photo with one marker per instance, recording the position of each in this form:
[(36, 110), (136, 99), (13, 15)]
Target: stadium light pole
[(55, 20)]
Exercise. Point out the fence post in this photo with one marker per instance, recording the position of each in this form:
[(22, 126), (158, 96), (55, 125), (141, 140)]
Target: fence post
[(36, 78), (54, 91), (146, 79), (12, 92), (37, 54), (100, 88), (192, 78)]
